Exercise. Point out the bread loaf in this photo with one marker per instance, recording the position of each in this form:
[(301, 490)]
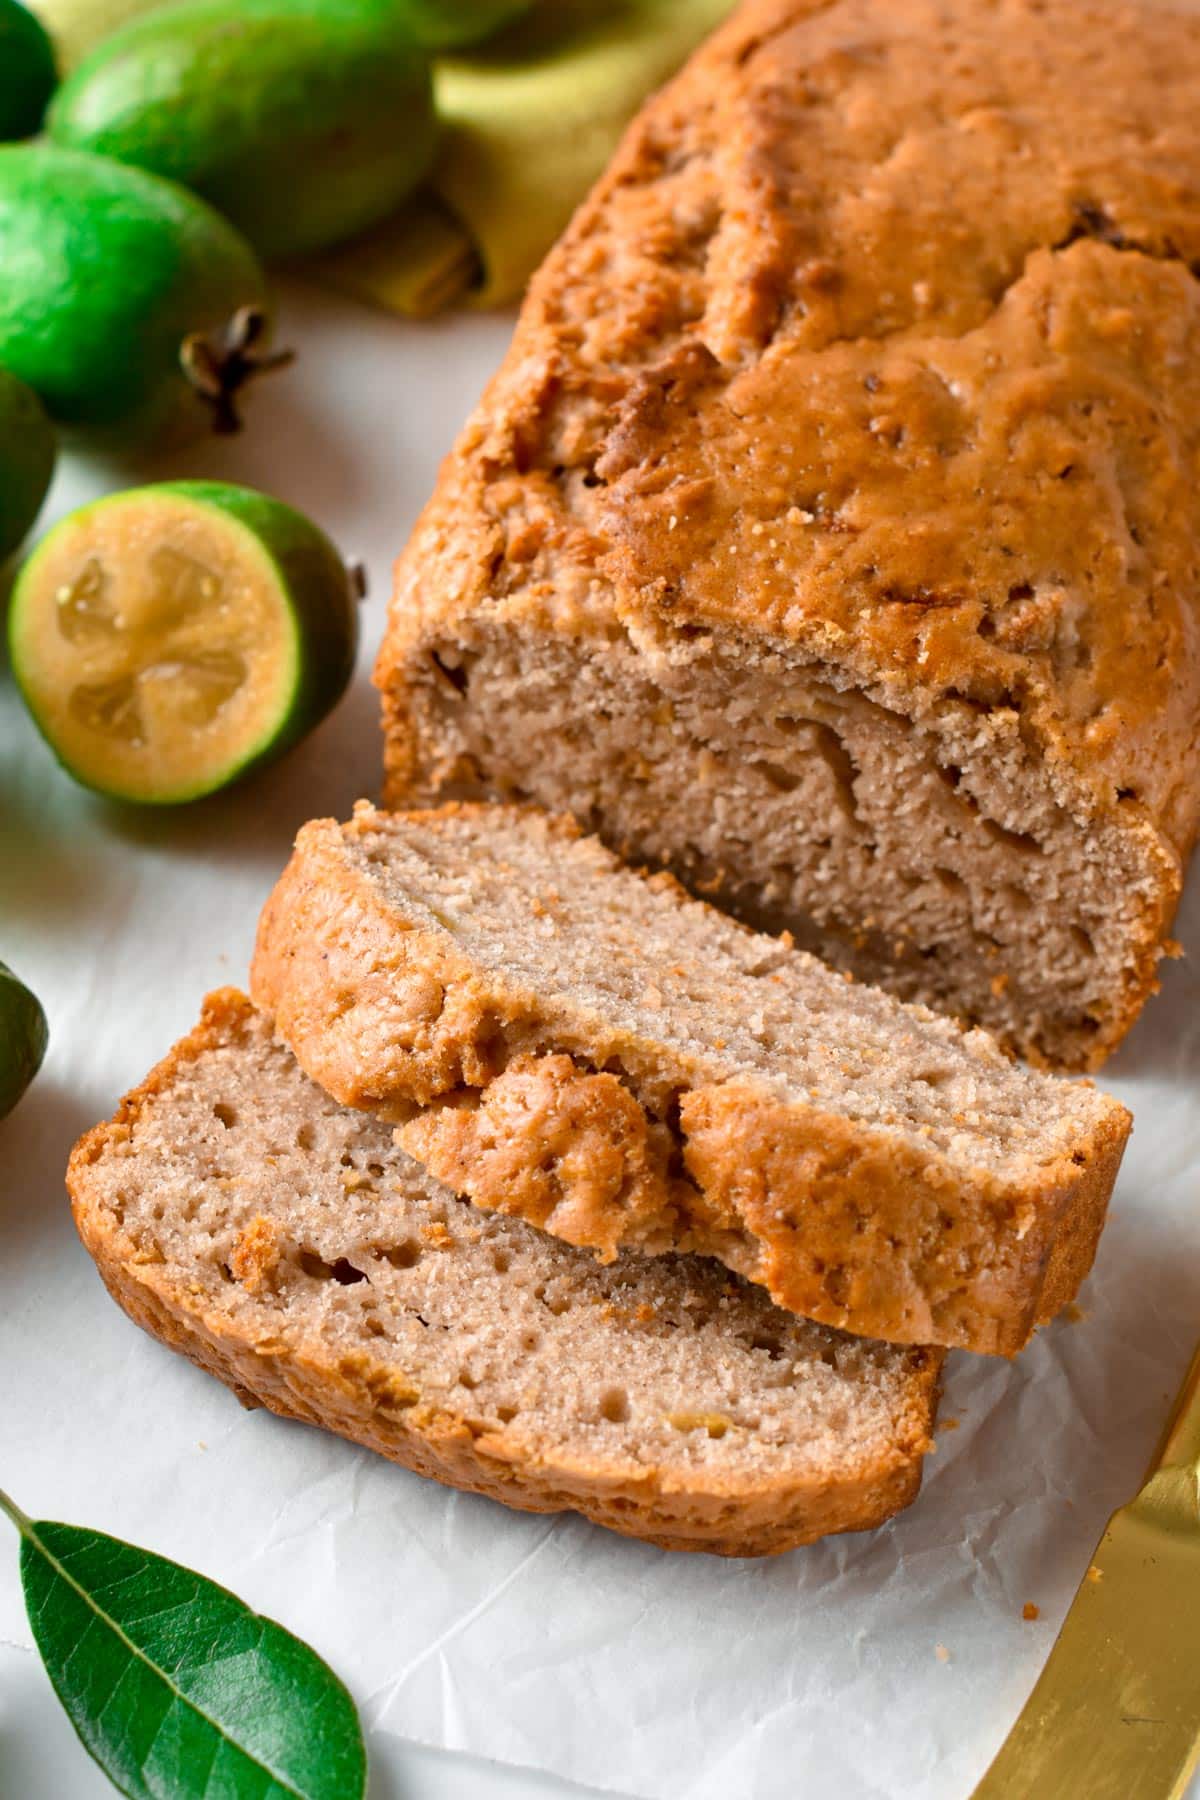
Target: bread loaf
[(565, 1040), (284, 1244), (830, 532)]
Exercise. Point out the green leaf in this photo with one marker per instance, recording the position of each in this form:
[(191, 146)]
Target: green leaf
[(177, 1689)]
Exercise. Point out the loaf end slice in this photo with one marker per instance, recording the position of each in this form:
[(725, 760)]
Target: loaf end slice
[(285, 1244), (560, 1037)]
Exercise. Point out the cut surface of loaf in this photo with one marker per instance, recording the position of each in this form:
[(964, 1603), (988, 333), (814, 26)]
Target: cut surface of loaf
[(830, 533), (285, 1244), (561, 1037)]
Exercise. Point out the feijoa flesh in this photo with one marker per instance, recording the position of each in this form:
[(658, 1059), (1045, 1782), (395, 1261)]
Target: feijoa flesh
[(26, 460), (302, 121), (130, 307), (23, 1038), (170, 639)]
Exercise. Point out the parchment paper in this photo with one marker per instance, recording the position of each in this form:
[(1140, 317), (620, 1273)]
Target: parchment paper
[(884, 1665)]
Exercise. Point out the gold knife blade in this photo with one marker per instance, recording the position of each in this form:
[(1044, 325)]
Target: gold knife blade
[(1115, 1714)]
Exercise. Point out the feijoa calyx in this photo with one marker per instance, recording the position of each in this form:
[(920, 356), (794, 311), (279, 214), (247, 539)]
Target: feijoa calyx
[(130, 307), (302, 121), (26, 460), (172, 638), (23, 1038)]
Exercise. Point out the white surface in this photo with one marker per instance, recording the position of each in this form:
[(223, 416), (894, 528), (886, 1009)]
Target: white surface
[(537, 1642)]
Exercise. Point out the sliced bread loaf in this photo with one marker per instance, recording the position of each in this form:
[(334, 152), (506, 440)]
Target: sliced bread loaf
[(829, 533), (286, 1245), (560, 1037)]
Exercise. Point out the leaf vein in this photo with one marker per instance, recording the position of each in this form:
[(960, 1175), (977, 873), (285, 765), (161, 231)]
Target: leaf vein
[(105, 1619)]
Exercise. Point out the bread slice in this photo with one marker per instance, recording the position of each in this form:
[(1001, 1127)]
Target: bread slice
[(829, 533), (563, 1038), (286, 1245)]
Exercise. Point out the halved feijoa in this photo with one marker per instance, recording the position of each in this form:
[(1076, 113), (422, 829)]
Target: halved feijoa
[(169, 639), (22, 1038)]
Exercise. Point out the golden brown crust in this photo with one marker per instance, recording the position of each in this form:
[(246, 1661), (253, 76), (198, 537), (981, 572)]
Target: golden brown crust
[(725, 1518), (879, 342), (857, 1230), (837, 1223), (568, 1149), (405, 1004), (840, 1221)]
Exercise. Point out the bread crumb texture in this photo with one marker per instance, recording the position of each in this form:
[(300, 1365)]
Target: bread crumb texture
[(664, 1398), (561, 1038)]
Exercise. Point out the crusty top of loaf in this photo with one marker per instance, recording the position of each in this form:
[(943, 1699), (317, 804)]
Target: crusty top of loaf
[(881, 337)]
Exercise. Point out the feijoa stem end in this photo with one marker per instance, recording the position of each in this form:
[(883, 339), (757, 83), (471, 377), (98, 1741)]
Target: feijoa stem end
[(218, 366)]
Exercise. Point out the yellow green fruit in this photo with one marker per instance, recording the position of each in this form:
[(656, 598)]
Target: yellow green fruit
[(302, 121), (23, 1038), (130, 307), (26, 460), (27, 71), (170, 639), (77, 26)]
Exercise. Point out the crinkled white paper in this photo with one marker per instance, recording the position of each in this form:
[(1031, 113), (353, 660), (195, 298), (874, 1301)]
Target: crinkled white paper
[(883, 1665)]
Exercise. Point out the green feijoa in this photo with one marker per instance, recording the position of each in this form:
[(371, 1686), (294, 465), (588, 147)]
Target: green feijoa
[(448, 24), (131, 307), (27, 72), (303, 121), (23, 1038), (26, 460), (169, 639), (77, 26)]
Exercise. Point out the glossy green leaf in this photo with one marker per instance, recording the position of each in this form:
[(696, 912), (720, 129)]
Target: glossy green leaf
[(177, 1689)]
